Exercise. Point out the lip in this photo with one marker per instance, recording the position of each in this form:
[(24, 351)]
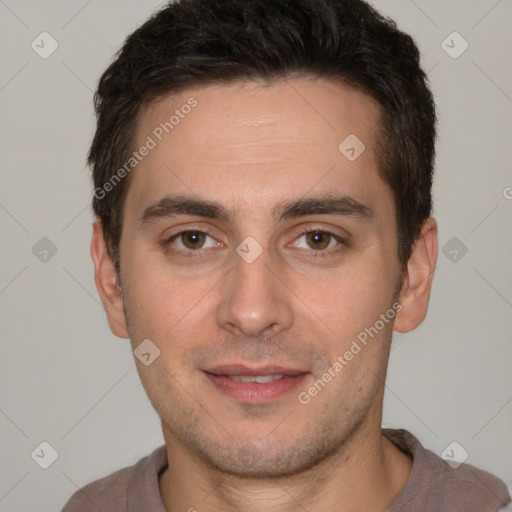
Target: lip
[(253, 392), (240, 369)]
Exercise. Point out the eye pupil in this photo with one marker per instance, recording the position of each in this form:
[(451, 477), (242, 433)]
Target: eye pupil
[(193, 239), (318, 240)]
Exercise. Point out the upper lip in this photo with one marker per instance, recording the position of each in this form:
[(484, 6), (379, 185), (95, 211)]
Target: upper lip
[(240, 369)]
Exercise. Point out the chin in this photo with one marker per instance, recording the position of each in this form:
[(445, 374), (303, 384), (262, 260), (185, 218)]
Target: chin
[(269, 460)]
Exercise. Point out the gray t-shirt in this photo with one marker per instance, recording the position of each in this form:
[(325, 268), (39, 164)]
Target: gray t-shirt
[(433, 485)]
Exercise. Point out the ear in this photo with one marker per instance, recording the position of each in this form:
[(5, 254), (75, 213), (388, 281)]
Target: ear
[(106, 282), (417, 283)]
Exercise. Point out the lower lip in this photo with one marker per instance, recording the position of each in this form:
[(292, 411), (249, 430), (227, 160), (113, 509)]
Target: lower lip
[(254, 393)]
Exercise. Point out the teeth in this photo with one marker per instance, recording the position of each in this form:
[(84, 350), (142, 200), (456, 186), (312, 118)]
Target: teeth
[(260, 379)]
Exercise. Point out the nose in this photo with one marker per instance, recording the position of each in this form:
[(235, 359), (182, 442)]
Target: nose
[(254, 301)]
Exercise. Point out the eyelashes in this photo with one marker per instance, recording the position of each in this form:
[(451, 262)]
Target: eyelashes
[(323, 239), (200, 243)]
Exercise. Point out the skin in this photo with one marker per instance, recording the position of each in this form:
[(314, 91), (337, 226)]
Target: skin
[(251, 148)]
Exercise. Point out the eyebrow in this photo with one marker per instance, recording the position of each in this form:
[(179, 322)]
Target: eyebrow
[(326, 204)]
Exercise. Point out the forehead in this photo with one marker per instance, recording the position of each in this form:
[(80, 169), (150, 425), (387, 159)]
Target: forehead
[(250, 141)]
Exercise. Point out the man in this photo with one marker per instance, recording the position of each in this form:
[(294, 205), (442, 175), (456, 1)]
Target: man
[(263, 174)]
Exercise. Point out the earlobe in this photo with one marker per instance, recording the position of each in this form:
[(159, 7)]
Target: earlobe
[(106, 282), (417, 283)]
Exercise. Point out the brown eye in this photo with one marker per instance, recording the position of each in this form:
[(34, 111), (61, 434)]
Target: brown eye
[(319, 243), (191, 243), (318, 240), (193, 239)]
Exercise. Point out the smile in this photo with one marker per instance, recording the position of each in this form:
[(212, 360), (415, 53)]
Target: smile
[(254, 385), (260, 379)]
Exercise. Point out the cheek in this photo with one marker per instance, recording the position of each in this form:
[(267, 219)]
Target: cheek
[(155, 301), (350, 299)]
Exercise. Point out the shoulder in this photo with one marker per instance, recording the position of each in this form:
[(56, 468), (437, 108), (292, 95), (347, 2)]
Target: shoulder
[(467, 486), (102, 494), (434, 484), (113, 492)]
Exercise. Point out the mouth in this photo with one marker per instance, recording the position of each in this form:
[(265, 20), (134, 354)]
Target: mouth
[(255, 385), (260, 379)]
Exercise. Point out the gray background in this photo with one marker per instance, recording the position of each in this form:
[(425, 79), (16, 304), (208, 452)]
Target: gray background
[(65, 379)]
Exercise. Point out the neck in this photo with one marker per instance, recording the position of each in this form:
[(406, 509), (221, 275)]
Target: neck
[(365, 474)]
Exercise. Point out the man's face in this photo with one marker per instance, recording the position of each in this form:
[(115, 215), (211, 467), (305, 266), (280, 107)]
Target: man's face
[(326, 272)]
